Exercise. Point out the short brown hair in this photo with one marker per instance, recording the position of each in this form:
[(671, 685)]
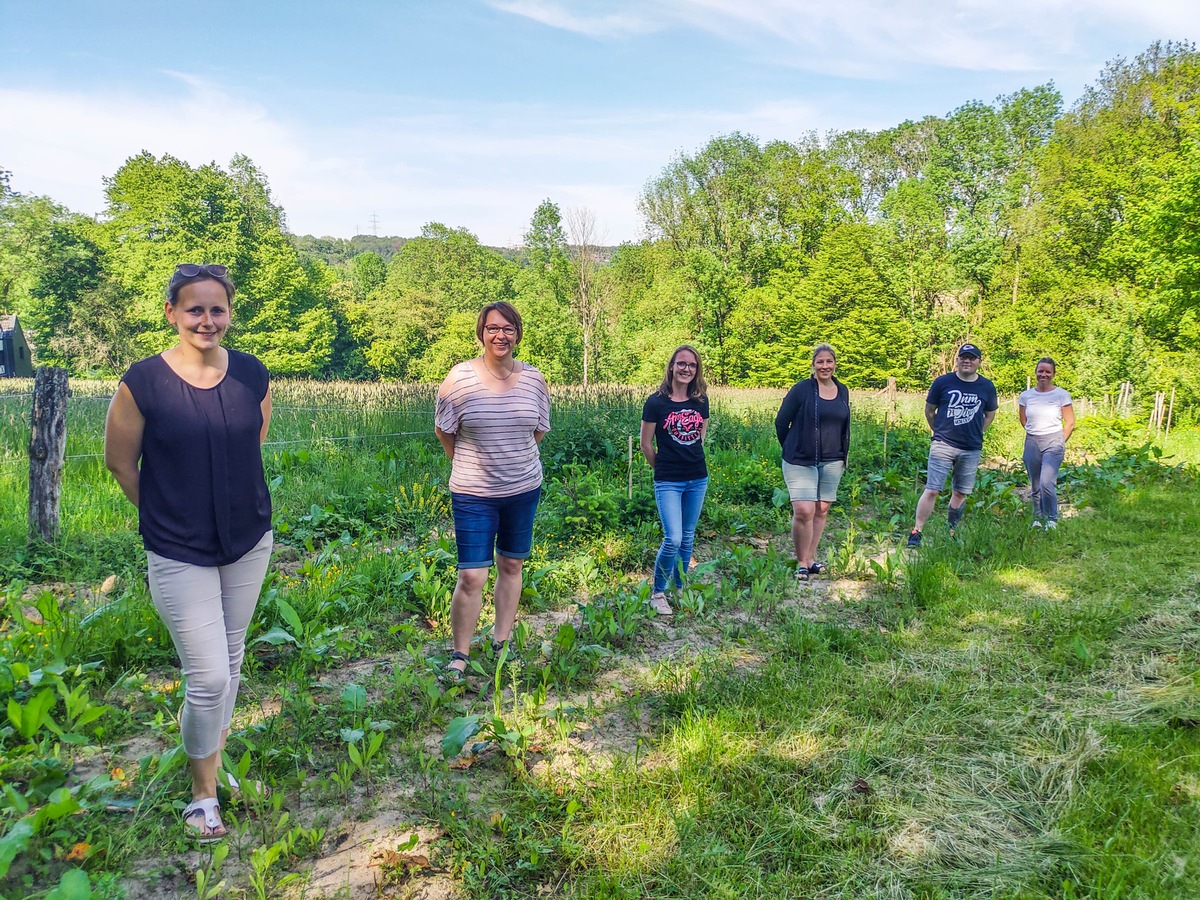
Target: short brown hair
[(508, 311), (179, 281)]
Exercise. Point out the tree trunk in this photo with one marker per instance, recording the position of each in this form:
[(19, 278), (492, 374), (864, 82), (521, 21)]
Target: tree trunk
[(1016, 275), (586, 348), (47, 446)]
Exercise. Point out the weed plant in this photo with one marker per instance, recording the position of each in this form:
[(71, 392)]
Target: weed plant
[(1006, 713)]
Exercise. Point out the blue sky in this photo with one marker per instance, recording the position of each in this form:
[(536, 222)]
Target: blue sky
[(471, 112)]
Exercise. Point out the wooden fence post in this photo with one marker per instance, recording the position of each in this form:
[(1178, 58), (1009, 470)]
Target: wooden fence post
[(47, 446), (889, 413), (631, 467)]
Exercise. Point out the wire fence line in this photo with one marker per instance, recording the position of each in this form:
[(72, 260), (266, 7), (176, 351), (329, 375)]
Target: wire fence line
[(20, 460), (350, 437), (381, 410)]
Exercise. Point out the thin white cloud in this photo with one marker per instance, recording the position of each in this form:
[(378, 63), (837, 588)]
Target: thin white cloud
[(876, 38), (485, 167), (557, 15)]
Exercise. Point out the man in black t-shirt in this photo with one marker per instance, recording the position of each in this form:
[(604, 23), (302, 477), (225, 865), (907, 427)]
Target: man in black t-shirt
[(959, 408)]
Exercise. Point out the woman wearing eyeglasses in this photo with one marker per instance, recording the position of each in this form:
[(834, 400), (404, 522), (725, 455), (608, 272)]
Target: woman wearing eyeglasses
[(813, 427), (492, 412), (674, 422), (184, 441)]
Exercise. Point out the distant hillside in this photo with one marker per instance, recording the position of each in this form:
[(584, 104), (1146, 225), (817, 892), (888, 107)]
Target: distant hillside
[(340, 250)]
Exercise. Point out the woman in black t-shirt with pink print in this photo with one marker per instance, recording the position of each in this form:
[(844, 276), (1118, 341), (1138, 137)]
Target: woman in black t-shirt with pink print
[(674, 422)]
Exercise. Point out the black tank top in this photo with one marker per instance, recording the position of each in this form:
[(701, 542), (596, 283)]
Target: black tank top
[(202, 495)]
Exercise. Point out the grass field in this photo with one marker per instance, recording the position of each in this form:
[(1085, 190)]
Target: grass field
[(1006, 714)]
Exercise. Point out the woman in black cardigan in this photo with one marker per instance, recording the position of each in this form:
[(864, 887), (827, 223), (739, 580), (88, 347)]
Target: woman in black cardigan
[(813, 427)]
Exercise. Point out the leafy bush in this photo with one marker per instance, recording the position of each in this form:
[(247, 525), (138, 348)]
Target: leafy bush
[(578, 503)]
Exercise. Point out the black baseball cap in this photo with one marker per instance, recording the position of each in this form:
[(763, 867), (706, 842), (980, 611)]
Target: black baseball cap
[(970, 350)]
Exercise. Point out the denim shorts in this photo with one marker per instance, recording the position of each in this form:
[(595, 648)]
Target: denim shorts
[(811, 483), (945, 458), (486, 524)]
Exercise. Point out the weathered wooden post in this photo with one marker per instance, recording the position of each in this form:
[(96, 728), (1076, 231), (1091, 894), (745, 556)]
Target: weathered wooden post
[(47, 446), (631, 467), (889, 413)]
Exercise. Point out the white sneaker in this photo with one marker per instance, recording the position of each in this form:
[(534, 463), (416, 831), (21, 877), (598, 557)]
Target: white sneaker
[(659, 601), (1051, 525), (1036, 524)]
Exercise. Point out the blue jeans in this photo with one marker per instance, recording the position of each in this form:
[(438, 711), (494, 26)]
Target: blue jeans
[(484, 524), (679, 504), (1043, 456)]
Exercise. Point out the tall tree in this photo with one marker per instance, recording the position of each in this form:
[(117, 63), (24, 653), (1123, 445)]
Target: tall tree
[(543, 289), (426, 308), (590, 291), (162, 212), (715, 210), (78, 312)]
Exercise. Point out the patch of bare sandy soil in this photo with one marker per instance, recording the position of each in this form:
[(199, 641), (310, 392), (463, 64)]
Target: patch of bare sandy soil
[(377, 857), (85, 597)]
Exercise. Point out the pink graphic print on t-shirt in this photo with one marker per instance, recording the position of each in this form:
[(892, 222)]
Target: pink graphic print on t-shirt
[(683, 426)]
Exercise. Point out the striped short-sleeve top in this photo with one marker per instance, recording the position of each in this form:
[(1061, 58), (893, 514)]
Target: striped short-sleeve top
[(495, 454)]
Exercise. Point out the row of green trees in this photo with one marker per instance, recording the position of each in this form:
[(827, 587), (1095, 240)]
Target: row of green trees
[(1029, 229)]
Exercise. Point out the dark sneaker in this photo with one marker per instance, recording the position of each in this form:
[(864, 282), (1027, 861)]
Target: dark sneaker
[(914, 539)]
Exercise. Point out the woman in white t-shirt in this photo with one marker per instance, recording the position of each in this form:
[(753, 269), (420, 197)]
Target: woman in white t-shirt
[(1049, 418)]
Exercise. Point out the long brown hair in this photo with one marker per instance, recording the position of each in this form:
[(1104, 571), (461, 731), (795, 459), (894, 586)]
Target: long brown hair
[(698, 389)]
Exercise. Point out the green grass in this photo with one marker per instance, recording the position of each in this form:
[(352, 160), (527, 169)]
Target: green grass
[(1006, 714), (1029, 732)]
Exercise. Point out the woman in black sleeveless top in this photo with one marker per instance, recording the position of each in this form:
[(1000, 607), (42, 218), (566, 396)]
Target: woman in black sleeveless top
[(183, 439)]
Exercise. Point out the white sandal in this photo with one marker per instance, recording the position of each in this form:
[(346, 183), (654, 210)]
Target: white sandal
[(212, 820)]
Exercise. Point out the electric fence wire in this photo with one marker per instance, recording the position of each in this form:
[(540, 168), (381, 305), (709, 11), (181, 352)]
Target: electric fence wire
[(383, 410)]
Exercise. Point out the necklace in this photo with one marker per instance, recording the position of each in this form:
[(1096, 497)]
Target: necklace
[(512, 368)]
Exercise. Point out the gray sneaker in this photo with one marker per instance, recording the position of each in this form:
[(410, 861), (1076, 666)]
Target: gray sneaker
[(658, 600)]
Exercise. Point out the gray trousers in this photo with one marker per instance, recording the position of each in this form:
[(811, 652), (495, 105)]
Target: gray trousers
[(1043, 456), (207, 609)]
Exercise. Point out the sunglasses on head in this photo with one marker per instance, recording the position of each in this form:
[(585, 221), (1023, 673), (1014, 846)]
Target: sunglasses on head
[(191, 270)]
